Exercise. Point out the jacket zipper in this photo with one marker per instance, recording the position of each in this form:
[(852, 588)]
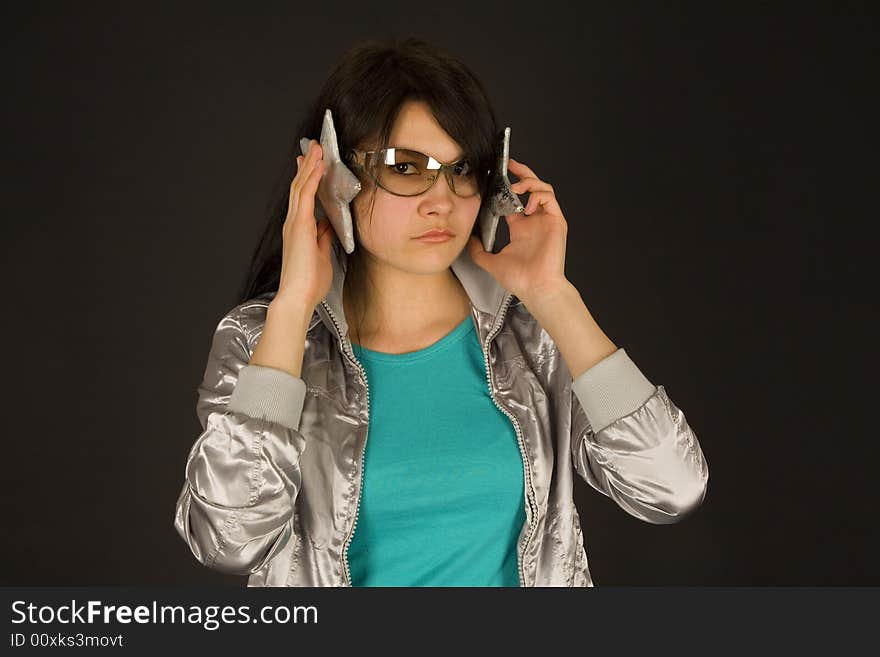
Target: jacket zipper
[(363, 451), (519, 438)]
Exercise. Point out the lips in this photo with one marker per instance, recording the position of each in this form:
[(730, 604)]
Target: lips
[(436, 232)]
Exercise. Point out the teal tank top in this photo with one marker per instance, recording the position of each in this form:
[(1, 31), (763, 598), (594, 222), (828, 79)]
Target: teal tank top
[(443, 496)]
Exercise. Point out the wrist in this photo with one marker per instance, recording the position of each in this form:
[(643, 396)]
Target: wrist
[(292, 311), (551, 297)]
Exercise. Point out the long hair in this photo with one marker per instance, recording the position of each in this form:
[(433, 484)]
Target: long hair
[(365, 92)]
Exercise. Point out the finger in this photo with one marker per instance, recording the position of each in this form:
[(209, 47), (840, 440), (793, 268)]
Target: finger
[(544, 199), (305, 160), (301, 196), (516, 167), (309, 188), (315, 152), (308, 157), (306, 169), (301, 165), (530, 184)]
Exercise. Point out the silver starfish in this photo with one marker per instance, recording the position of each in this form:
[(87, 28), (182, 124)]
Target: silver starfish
[(502, 200), (338, 185)]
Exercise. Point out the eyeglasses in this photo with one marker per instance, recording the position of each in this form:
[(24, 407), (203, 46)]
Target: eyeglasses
[(405, 172)]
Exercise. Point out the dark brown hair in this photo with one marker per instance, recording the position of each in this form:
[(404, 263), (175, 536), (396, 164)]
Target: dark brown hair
[(365, 92)]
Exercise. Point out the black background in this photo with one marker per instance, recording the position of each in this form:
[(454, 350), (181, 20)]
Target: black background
[(717, 169)]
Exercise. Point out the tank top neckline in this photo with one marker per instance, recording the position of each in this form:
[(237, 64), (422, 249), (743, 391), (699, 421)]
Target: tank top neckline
[(466, 327)]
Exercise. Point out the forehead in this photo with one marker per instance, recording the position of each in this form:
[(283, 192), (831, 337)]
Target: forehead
[(416, 129)]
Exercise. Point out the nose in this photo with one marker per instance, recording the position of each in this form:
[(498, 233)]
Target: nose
[(443, 176), (438, 199)]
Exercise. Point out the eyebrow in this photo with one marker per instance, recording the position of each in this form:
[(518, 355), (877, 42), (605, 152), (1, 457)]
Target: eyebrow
[(460, 155)]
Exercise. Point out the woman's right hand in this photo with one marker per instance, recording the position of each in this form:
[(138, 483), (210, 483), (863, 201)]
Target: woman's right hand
[(306, 267)]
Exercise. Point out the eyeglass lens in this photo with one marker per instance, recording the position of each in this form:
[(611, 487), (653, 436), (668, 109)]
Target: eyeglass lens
[(405, 172)]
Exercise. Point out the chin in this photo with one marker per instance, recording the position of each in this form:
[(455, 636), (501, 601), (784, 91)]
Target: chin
[(433, 259), (430, 266)]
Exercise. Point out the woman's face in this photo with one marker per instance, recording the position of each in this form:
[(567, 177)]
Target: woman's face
[(389, 235)]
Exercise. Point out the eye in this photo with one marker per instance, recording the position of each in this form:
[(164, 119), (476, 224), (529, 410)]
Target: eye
[(396, 168), (462, 168)]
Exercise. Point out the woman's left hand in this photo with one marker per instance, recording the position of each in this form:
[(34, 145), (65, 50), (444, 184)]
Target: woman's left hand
[(532, 265)]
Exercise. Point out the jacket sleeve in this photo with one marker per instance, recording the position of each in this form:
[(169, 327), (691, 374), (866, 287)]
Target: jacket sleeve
[(630, 442), (242, 474)]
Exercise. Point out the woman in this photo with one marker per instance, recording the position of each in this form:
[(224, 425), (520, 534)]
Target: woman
[(481, 379)]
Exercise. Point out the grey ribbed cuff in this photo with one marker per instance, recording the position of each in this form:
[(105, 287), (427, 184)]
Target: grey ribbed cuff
[(268, 393), (612, 388)]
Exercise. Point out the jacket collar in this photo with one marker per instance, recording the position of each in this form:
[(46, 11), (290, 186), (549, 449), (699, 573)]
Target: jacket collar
[(485, 293)]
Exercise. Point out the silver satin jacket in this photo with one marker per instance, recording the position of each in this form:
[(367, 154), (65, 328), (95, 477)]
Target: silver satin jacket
[(273, 482)]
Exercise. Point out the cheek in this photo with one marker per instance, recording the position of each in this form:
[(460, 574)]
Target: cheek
[(383, 229), (469, 211)]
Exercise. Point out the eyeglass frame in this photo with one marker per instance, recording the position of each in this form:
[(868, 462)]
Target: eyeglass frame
[(440, 167)]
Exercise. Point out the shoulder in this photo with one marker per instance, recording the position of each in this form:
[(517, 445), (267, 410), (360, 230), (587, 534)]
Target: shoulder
[(252, 313), (250, 317), (530, 343), (246, 319), (520, 321)]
